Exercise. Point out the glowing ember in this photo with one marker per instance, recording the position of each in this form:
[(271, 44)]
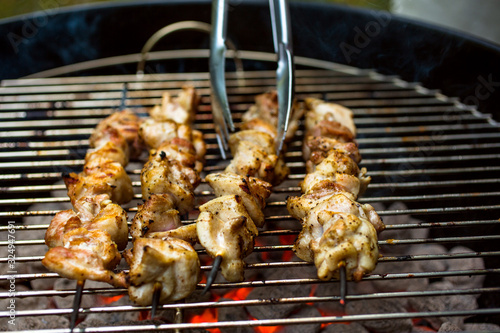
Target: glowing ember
[(108, 300), (287, 240), (238, 294), (207, 316)]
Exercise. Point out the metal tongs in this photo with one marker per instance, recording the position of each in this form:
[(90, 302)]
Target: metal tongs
[(282, 38)]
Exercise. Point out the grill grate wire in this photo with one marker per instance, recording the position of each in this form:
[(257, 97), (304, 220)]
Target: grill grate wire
[(421, 148)]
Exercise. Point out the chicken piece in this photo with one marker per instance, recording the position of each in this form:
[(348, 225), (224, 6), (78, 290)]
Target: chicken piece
[(260, 139), (155, 215), (109, 150), (108, 217), (126, 123), (159, 175), (316, 148), (182, 151), (318, 111), (337, 171), (253, 155), (253, 192), (260, 125), (180, 109), (153, 133), (225, 229), (62, 223), (339, 230), (186, 233), (100, 176), (86, 255), (112, 219), (171, 262), (266, 109)]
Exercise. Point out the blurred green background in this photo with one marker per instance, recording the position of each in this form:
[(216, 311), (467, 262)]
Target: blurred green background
[(10, 8)]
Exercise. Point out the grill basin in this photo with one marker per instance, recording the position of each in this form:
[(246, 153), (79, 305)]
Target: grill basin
[(433, 164)]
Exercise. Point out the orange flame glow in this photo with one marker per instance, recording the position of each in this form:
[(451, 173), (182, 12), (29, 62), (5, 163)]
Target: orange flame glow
[(105, 300)]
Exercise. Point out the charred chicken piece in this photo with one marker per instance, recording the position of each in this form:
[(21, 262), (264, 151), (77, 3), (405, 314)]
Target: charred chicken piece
[(186, 233), (86, 255), (126, 124), (316, 148), (109, 150), (337, 171), (266, 109), (110, 218), (171, 262), (253, 155), (225, 229), (252, 191), (100, 176), (157, 214), (180, 109), (335, 230), (318, 111), (160, 175)]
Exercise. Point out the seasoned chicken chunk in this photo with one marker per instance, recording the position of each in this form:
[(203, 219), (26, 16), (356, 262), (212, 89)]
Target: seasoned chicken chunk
[(338, 230), (161, 176), (86, 255), (155, 215), (186, 233), (336, 171), (180, 109), (110, 218), (253, 155), (126, 123), (266, 109), (100, 176), (252, 191), (316, 148), (183, 152), (109, 151), (173, 263), (225, 229), (318, 111)]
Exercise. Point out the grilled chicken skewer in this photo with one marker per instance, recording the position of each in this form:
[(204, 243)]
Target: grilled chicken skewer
[(164, 266), (84, 242), (338, 234), (227, 225)]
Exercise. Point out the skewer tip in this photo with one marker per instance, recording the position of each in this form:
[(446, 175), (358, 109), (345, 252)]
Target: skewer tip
[(213, 273), (76, 304), (156, 298), (343, 283)]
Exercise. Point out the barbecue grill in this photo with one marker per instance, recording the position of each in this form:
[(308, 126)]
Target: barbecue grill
[(432, 161)]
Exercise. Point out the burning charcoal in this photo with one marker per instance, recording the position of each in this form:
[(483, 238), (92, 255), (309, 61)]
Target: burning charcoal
[(37, 323), (482, 327), (449, 327), (429, 265), (443, 303), (304, 312), (345, 328), (405, 266), (276, 310), (233, 313), (381, 306), (463, 282), (400, 233), (25, 303)]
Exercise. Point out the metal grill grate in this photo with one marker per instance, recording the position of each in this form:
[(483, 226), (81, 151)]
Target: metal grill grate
[(423, 149)]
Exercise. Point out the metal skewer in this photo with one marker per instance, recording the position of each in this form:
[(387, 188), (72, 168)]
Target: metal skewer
[(76, 304), (343, 283), (156, 298), (213, 273)]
